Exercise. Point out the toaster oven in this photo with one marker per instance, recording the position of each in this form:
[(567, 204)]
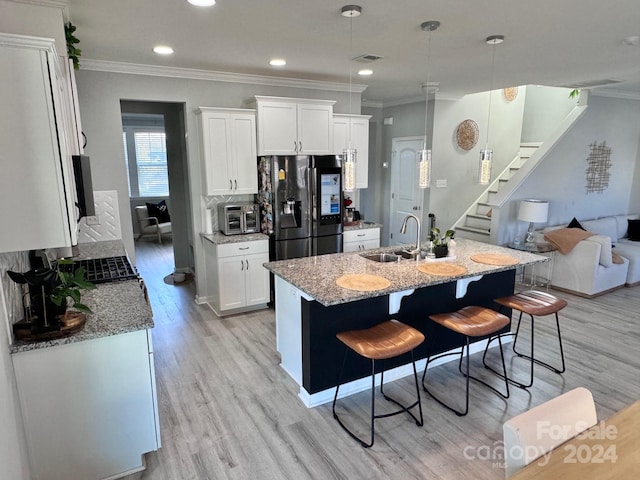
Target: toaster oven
[(238, 218)]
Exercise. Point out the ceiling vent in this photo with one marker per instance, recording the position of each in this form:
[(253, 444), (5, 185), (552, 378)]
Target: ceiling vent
[(592, 83), (368, 58)]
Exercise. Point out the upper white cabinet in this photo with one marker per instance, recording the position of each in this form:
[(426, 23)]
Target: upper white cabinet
[(355, 127), (36, 184), (229, 159), (294, 126)]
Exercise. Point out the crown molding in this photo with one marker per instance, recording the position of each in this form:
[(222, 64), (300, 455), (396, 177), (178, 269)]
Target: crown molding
[(195, 74), (45, 3), (613, 93)]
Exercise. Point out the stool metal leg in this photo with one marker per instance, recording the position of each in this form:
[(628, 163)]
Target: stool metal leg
[(511, 380), (539, 362), (373, 416)]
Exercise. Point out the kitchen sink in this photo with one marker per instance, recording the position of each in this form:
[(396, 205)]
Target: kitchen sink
[(382, 257)]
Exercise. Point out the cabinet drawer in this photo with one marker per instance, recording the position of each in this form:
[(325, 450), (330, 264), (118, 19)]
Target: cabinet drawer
[(361, 235), (243, 248)]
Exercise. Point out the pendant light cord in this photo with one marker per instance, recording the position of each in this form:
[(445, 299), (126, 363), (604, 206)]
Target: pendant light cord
[(350, 68), (426, 101), (493, 62)]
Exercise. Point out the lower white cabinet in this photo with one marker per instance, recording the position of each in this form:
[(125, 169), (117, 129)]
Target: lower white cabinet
[(235, 275), (361, 239), (89, 408)]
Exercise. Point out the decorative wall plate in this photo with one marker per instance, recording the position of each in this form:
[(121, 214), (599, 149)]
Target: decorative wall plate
[(467, 134), (510, 93)]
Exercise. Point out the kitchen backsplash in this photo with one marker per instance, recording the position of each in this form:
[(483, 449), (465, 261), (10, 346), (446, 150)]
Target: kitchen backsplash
[(211, 206), (11, 292)]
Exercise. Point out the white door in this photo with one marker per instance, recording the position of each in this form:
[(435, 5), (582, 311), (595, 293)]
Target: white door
[(243, 142), (315, 129), (231, 273), (256, 279), (406, 197)]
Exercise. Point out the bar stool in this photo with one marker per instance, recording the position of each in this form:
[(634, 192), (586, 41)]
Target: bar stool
[(533, 303), (383, 341), (471, 321)]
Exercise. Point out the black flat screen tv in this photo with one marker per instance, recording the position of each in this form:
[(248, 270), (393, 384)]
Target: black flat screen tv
[(84, 186)]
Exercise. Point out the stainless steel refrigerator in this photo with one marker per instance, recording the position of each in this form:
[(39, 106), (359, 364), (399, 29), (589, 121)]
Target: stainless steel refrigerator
[(301, 206)]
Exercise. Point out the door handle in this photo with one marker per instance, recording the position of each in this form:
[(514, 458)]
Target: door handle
[(230, 185), (243, 248), (236, 184), (241, 265), (300, 149), (247, 261), (295, 146)]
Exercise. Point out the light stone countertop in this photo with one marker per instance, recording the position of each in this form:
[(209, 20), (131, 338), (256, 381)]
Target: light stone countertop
[(118, 307), (316, 276), (361, 226), (219, 238)]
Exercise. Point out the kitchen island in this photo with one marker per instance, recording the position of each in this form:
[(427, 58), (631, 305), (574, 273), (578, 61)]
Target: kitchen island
[(88, 400), (311, 308)]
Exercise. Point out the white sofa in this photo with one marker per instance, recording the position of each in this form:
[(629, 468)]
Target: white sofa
[(588, 270)]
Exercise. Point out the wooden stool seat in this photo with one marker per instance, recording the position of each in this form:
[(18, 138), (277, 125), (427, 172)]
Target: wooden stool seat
[(472, 321), (385, 340), (533, 302)]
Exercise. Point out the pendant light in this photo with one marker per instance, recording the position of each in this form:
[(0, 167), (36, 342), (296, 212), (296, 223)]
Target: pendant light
[(486, 155), (349, 155), (424, 155)]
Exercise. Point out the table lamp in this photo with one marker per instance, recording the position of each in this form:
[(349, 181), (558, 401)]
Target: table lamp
[(532, 211)]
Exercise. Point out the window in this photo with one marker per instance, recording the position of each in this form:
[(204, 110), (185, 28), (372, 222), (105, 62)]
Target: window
[(145, 153)]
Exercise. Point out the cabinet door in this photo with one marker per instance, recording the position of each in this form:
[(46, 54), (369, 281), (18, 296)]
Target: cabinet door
[(257, 279), (32, 186), (360, 141), (217, 175), (244, 158), (350, 247), (341, 126), (315, 129), (368, 244), (231, 273), (277, 128)]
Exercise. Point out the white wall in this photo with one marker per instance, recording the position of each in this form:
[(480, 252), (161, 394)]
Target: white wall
[(13, 448), (459, 167), (99, 98), (36, 20), (560, 178), (545, 108)]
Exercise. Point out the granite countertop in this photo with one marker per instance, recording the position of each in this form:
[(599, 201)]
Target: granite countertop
[(118, 307), (361, 225), (219, 238), (316, 276)]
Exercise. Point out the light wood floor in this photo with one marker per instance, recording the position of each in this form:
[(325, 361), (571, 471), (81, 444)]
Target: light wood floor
[(227, 410)]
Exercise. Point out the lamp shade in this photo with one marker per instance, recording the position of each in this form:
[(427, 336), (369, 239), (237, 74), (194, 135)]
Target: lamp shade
[(534, 211)]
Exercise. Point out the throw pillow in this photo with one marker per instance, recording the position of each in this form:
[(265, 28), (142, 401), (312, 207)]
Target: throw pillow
[(159, 210), (575, 224), (633, 230)]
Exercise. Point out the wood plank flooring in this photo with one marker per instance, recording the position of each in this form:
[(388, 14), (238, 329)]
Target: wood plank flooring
[(227, 410)]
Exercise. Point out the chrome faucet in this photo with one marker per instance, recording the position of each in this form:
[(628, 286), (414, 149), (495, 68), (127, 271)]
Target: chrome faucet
[(403, 230)]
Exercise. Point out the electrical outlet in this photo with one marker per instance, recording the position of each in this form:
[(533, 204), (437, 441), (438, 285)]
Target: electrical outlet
[(93, 220)]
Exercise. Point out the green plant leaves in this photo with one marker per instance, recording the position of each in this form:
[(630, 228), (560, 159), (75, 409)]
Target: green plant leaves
[(72, 51)]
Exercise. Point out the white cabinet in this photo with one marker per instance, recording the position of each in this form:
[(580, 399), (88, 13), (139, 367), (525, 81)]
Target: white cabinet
[(236, 278), (360, 239), (294, 126), (356, 128), (229, 159), (36, 184), (89, 408)]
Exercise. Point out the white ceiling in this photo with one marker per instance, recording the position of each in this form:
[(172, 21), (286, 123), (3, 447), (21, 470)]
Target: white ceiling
[(547, 42)]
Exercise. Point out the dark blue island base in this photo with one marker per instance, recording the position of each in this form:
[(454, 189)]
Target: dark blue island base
[(322, 352)]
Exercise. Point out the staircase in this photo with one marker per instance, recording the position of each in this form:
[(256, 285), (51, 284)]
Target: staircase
[(475, 224)]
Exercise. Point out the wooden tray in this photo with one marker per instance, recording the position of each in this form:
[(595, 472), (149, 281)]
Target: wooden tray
[(442, 269), (71, 323), (494, 259), (363, 282)]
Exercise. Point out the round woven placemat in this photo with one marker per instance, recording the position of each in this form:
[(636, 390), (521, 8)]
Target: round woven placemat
[(467, 134), (510, 93), (442, 269), (494, 259), (362, 282)]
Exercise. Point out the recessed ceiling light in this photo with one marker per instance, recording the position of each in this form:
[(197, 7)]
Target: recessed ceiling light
[(202, 3), (365, 72), (163, 50), (277, 62)]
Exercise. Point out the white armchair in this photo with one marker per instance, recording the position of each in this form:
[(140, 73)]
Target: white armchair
[(150, 225)]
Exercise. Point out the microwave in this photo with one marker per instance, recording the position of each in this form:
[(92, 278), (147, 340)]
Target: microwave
[(238, 218)]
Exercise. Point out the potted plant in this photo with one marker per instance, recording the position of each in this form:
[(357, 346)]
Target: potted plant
[(440, 243), (69, 287)]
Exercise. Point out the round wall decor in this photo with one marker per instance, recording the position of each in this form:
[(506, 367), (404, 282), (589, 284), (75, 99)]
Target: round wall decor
[(510, 93), (467, 134)]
